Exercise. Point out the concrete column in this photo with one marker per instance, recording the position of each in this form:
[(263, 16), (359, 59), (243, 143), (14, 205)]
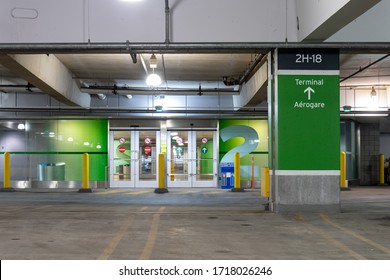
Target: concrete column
[(306, 132)]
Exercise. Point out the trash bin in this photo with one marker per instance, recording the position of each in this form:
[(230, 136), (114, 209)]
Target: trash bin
[(51, 171)]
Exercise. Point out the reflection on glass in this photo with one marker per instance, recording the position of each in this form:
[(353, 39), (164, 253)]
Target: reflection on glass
[(179, 156), (122, 152), (148, 156), (204, 155)]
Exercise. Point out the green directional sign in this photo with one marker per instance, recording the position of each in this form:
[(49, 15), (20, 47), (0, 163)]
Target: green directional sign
[(308, 122), (204, 150)]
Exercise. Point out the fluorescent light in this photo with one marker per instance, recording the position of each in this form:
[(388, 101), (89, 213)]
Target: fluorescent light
[(70, 139), (21, 126), (86, 143), (98, 147)]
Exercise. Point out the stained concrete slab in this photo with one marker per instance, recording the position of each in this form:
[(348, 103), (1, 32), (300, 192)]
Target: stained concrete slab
[(188, 224)]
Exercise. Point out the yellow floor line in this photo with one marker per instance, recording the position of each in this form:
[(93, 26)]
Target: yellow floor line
[(220, 192), (330, 239), (187, 192), (149, 245), (116, 239), (378, 246), (139, 192), (111, 192)]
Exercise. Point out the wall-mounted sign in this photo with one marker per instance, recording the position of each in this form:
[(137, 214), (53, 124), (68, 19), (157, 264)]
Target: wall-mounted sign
[(122, 149), (122, 140)]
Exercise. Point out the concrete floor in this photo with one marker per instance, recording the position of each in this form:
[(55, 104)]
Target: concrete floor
[(188, 224)]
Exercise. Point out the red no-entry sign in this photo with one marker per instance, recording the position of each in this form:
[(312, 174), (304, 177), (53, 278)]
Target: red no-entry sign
[(147, 150), (122, 149)]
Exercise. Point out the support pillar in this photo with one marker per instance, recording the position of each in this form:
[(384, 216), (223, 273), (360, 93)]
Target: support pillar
[(306, 131)]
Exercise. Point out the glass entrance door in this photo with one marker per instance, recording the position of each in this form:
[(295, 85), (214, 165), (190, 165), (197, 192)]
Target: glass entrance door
[(192, 159), (133, 158)]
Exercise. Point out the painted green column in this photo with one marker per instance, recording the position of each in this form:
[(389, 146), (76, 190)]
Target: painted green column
[(306, 129)]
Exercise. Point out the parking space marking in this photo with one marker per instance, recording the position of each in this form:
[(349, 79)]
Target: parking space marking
[(360, 237), (149, 245), (329, 238)]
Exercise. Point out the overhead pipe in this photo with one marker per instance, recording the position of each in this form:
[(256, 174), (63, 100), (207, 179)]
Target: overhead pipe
[(167, 21), (103, 90), (165, 91), (119, 110), (364, 68), (63, 48)]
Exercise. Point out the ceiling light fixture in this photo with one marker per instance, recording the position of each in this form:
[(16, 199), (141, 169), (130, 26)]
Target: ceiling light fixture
[(153, 79), (373, 92), (21, 126), (153, 61)]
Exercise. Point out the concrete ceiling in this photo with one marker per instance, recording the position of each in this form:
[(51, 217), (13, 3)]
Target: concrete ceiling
[(189, 71)]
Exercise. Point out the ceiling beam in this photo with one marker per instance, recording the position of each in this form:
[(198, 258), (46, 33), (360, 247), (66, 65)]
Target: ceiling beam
[(50, 75), (318, 20)]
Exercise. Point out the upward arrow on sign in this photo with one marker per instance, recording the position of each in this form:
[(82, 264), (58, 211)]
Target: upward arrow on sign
[(308, 90)]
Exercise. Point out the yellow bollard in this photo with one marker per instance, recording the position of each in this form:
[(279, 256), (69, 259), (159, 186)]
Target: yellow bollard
[(7, 170), (85, 184), (7, 174), (265, 182), (343, 171), (237, 174), (161, 175), (381, 169)]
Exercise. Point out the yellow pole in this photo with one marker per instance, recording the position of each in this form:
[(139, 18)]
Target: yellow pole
[(381, 169), (237, 174), (161, 175), (161, 168), (85, 184), (343, 170), (7, 170), (265, 182)]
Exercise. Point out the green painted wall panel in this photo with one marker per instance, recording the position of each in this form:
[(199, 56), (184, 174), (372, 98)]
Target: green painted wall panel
[(308, 122)]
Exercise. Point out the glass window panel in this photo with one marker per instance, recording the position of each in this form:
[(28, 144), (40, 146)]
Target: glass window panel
[(179, 156)]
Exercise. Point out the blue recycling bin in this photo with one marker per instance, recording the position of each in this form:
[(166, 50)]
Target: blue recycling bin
[(227, 175)]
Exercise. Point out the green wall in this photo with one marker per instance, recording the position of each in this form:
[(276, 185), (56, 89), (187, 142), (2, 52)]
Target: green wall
[(249, 138)]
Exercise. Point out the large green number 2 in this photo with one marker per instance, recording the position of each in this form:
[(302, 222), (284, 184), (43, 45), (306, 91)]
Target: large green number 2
[(248, 133)]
